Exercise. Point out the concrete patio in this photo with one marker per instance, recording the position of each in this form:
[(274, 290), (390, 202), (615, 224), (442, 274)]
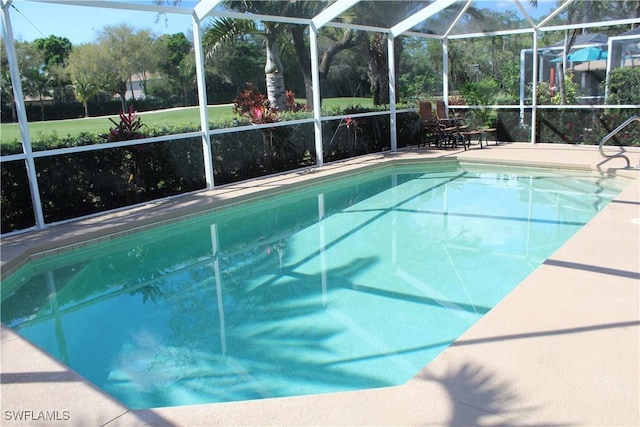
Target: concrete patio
[(563, 348)]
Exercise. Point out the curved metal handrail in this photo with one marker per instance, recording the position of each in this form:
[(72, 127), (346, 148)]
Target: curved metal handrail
[(614, 133)]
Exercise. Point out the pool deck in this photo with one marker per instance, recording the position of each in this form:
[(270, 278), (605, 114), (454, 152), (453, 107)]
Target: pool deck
[(563, 348)]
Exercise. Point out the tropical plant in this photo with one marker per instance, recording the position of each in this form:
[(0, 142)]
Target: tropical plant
[(249, 100), (128, 128)]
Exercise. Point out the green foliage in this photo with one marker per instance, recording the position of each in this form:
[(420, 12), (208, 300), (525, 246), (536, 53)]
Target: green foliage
[(548, 95), (624, 86), (510, 81), (173, 49), (238, 63), (55, 49), (584, 126), (483, 92)]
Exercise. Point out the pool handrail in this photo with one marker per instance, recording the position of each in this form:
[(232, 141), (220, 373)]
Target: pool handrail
[(614, 133)]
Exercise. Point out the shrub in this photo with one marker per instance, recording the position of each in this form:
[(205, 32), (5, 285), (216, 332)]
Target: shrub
[(624, 86)]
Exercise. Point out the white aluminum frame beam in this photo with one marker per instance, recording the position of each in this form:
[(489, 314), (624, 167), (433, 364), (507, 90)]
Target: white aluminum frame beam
[(534, 89), (320, 20), (554, 14), (392, 91), (525, 14), (445, 54), (202, 103), (491, 33), (332, 12), (420, 16), (591, 25), (457, 19), (106, 4), (32, 177), (204, 8), (315, 82), (398, 30)]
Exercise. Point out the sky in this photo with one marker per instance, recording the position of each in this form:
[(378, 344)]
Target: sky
[(32, 20), (80, 24)]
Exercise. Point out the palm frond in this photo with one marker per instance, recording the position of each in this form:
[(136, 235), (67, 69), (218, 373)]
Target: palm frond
[(225, 30)]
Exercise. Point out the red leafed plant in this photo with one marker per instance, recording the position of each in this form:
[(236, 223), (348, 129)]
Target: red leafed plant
[(247, 101), (292, 105), (129, 127), (255, 106)]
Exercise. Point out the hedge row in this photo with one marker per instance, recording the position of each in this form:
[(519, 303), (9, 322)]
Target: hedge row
[(85, 183)]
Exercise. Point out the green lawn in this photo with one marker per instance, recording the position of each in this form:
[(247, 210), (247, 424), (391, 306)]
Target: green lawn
[(97, 125)]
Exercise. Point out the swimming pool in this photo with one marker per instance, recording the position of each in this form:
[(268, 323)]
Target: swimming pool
[(267, 300)]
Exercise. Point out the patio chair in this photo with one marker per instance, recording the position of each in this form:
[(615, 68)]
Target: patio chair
[(432, 131), (443, 116), (467, 135), (429, 127)]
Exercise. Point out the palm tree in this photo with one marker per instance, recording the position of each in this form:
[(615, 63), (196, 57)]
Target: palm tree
[(36, 82), (185, 77), (225, 30), (84, 90)]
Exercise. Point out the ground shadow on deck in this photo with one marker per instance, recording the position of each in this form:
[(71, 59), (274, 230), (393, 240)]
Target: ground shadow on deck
[(479, 397)]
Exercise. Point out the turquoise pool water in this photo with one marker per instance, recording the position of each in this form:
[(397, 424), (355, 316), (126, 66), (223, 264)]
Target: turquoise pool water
[(357, 283)]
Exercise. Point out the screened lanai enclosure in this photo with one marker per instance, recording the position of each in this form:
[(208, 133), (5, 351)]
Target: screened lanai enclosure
[(273, 86)]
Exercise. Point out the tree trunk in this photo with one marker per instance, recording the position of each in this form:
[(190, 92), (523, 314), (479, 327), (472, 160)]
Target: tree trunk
[(41, 108), (304, 60), (133, 96), (302, 52), (379, 69), (274, 75), (122, 92), (86, 109), (276, 91)]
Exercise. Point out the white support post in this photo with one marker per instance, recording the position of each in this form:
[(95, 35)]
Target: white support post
[(609, 63), (7, 33), (445, 71), (523, 58), (315, 82), (392, 91), (534, 88), (202, 103)]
